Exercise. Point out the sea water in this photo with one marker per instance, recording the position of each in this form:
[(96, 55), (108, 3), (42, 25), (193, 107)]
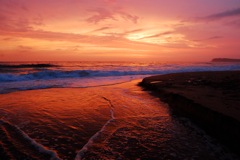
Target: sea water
[(83, 110), (16, 76)]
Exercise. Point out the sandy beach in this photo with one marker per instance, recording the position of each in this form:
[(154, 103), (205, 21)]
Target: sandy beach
[(110, 122), (211, 99)]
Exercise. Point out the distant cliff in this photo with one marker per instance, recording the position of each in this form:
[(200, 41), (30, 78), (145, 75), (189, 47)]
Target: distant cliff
[(225, 60)]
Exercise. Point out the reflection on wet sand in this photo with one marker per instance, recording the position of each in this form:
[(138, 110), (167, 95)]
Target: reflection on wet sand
[(111, 122)]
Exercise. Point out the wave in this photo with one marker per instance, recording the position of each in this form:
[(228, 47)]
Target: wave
[(40, 65), (61, 74), (44, 75), (20, 144), (81, 152)]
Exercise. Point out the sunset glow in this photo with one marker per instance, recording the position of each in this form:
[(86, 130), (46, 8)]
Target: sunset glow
[(77, 30)]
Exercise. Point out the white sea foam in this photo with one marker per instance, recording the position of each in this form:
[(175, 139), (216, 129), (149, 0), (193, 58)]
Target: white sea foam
[(81, 152), (36, 145)]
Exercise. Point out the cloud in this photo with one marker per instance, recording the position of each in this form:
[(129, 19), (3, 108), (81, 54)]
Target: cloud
[(67, 37), (12, 6), (157, 35), (214, 37), (129, 17), (7, 39), (24, 47), (56, 38), (209, 38), (101, 29), (15, 16), (102, 14), (123, 34), (225, 14), (114, 34), (110, 1), (19, 24), (132, 31), (234, 23), (14, 24)]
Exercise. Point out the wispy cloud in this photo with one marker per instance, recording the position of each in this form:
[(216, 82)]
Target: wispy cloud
[(24, 47), (235, 23), (102, 14), (132, 31), (12, 5), (225, 14), (17, 24), (123, 34), (110, 1), (15, 16), (101, 29), (104, 41), (157, 35), (214, 37), (209, 38), (127, 16)]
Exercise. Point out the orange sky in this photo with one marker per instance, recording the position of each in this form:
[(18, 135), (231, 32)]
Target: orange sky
[(159, 30)]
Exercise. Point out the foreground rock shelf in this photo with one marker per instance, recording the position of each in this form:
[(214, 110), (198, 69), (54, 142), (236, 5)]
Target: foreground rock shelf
[(210, 99)]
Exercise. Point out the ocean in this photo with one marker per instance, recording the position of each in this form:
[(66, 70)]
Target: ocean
[(96, 110), (15, 76)]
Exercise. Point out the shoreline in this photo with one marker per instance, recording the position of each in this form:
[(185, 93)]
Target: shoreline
[(83, 122), (210, 99)]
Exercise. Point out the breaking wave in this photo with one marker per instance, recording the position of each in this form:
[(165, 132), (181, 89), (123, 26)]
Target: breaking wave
[(39, 65), (12, 133), (62, 74)]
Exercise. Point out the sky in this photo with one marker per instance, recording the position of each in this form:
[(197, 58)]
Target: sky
[(118, 30)]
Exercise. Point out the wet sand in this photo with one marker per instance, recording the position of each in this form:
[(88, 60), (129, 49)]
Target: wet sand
[(211, 99), (110, 122)]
